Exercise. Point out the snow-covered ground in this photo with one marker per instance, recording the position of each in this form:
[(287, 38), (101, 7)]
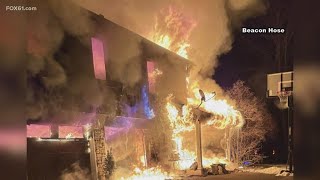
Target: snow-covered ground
[(268, 169), (240, 176)]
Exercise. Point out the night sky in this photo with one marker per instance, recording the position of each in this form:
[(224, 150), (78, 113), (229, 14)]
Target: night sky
[(251, 58)]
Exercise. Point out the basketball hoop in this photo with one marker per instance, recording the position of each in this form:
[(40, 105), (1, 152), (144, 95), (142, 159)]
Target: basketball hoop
[(283, 97), (281, 85)]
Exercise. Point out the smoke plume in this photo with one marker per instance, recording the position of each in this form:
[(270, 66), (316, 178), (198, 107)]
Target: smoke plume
[(125, 56), (211, 37), (207, 30), (75, 173), (205, 25), (48, 82)]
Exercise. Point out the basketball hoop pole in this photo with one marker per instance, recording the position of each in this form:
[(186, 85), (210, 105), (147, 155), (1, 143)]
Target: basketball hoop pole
[(281, 85), (290, 133), (287, 98)]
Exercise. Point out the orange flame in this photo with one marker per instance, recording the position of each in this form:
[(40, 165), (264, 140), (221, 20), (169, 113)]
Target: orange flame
[(172, 31), (224, 115), (180, 124)]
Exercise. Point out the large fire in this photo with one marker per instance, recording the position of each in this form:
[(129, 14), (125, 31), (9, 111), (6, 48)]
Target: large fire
[(224, 115), (172, 31), (166, 42), (185, 123), (180, 124)]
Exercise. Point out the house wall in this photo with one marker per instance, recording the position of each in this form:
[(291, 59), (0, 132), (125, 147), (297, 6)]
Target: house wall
[(49, 159)]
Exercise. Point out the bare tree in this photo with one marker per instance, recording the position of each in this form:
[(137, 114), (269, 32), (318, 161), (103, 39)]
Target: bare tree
[(246, 142)]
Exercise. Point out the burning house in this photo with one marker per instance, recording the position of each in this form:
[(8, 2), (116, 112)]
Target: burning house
[(128, 72), (124, 93)]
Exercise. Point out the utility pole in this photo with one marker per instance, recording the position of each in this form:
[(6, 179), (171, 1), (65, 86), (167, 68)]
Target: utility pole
[(200, 115), (198, 118)]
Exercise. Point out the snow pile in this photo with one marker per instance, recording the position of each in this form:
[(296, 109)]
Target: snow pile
[(278, 170), (284, 173), (232, 166)]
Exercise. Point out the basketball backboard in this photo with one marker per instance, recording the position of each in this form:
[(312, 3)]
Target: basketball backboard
[(279, 83)]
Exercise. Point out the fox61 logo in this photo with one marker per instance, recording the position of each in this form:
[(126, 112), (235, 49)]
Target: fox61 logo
[(14, 8), (20, 8)]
